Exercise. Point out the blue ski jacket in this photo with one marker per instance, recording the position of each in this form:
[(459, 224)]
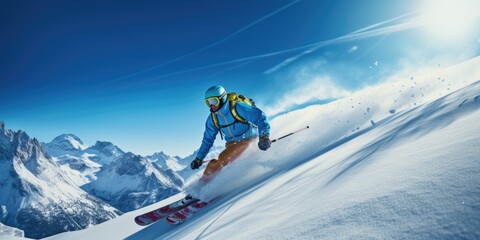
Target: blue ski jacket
[(257, 126)]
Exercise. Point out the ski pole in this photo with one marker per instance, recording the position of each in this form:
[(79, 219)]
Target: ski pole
[(274, 140)]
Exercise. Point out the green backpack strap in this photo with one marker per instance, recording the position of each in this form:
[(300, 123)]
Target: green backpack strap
[(233, 109), (217, 125), (215, 120), (233, 98)]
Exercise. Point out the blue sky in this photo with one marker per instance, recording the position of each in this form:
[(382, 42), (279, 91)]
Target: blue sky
[(134, 72)]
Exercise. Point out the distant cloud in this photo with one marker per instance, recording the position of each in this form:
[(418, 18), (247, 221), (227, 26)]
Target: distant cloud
[(319, 88), (353, 49)]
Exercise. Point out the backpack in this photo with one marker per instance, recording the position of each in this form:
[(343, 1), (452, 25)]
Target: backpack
[(233, 98)]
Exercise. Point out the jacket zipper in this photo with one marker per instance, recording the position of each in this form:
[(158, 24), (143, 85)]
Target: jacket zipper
[(228, 128)]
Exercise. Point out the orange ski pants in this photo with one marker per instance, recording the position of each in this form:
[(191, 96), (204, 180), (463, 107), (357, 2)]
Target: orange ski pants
[(232, 151)]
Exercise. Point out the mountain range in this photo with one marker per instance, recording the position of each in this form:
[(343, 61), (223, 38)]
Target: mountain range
[(37, 196), (65, 185)]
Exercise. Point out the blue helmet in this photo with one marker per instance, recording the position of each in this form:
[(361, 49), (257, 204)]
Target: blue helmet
[(216, 95)]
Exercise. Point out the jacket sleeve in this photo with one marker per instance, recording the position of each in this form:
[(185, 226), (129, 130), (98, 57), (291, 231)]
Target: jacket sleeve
[(255, 116), (208, 138)]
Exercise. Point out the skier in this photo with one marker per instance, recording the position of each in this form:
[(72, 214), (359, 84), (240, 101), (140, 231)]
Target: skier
[(239, 121)]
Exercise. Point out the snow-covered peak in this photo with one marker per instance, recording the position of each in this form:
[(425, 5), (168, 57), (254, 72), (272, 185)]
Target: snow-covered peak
[(166, 162), (130, 164), (107, 148), (136, 165), (104, 152), (159, 156), (67, 142), (2, 125)]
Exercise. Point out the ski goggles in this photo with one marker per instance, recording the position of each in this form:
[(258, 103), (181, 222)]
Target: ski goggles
[(215, 101)]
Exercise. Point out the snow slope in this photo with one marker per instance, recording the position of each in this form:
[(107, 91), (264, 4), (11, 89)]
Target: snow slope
[(398, 160), (10, 231)]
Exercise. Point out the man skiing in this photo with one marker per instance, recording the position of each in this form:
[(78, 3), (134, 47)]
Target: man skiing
[(239, 121)]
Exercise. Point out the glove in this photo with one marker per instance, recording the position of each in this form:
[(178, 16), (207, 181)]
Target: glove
[(264, 143), (195, 164)]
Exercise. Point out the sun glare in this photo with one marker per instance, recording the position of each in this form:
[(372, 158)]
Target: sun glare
[(451, 20)]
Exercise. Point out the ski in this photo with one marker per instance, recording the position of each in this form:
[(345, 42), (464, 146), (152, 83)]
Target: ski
[(185, 213), (159, 213)]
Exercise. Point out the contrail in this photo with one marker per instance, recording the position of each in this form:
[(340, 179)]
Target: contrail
[(230, 36), (385, 22), (230, 68), (356, 35)]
